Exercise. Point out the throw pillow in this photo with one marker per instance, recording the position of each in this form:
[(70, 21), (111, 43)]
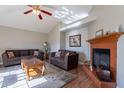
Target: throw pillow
[(67, 54), (10, 54), (57, 54), (36, 53), (72, 53), (63, 53)]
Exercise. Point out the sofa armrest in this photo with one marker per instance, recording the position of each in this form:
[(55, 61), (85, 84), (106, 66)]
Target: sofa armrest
[(52, 54), (4, 59), (41, 55), (71, 61)]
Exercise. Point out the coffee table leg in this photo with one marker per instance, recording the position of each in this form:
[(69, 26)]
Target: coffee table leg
[(27, 73), (43, 68), (22, 66)]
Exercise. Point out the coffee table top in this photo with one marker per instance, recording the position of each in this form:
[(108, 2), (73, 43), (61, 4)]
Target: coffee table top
[(28, 62)]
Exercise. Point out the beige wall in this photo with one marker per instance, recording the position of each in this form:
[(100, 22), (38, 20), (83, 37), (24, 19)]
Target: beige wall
[(84, 49), (120, 62), (62, 40), (11, 38), (54, 39), (108, 17)]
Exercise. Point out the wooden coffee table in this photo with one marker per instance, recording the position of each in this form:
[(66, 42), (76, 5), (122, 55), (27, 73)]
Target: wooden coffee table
[(34, 64)]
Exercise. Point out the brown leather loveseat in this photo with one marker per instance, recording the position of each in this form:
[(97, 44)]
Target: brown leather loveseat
[(67, 59)]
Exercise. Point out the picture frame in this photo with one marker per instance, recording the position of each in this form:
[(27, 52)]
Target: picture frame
[(99, 33), (75, 40)]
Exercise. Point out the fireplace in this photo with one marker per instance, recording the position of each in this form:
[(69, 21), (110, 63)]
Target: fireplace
[(101, 57), (103, 51)]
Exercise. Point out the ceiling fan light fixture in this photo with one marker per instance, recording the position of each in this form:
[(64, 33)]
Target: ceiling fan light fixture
[(37, 12)]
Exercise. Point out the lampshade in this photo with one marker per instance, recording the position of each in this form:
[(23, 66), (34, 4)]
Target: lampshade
[(45, 44)]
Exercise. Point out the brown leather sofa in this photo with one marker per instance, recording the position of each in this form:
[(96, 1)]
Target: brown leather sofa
[(18, 55), (65, 61)]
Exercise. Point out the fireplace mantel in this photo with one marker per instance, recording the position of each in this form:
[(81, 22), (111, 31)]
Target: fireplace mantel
[(113, 37), (105, 42)]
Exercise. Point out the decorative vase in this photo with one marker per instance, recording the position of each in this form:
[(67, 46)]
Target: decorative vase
[(121, 28)]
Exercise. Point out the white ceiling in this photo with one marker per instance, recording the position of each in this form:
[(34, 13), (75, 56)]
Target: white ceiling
[(12, 16), (72, 13)]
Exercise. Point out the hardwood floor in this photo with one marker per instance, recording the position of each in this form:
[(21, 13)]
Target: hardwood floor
[(82, 80)]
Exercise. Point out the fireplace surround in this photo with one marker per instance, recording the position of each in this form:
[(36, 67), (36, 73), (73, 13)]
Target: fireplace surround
[(103, 45)]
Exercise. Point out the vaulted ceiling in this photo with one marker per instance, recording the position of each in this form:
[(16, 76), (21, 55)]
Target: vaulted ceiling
[(12, 16)]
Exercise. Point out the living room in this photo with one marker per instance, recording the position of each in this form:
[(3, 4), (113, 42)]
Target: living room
[(80, 35)]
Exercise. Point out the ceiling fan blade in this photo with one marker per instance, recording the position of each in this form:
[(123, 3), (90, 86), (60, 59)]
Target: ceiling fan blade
[(28, 11), (30, 5), (48, 13), (40, 17)]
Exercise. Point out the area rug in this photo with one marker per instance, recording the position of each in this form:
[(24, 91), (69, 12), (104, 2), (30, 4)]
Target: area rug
[(54, 77)]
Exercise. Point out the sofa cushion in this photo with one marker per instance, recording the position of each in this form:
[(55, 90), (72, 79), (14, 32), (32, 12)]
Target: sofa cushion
[(17, 53), (10, 55), (63, 53), (58, 59), (57, 54), (36, 53), (14, 59), (27, 57), (24, 52), (67, 54), (31, 51)]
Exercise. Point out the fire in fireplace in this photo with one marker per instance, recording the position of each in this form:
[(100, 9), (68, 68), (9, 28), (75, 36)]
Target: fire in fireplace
[(101, 57)]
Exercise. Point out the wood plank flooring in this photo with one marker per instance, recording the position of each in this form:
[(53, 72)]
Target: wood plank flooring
[(82, 80)]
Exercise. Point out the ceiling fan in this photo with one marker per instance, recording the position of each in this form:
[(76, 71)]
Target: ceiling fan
[(36, 9)]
